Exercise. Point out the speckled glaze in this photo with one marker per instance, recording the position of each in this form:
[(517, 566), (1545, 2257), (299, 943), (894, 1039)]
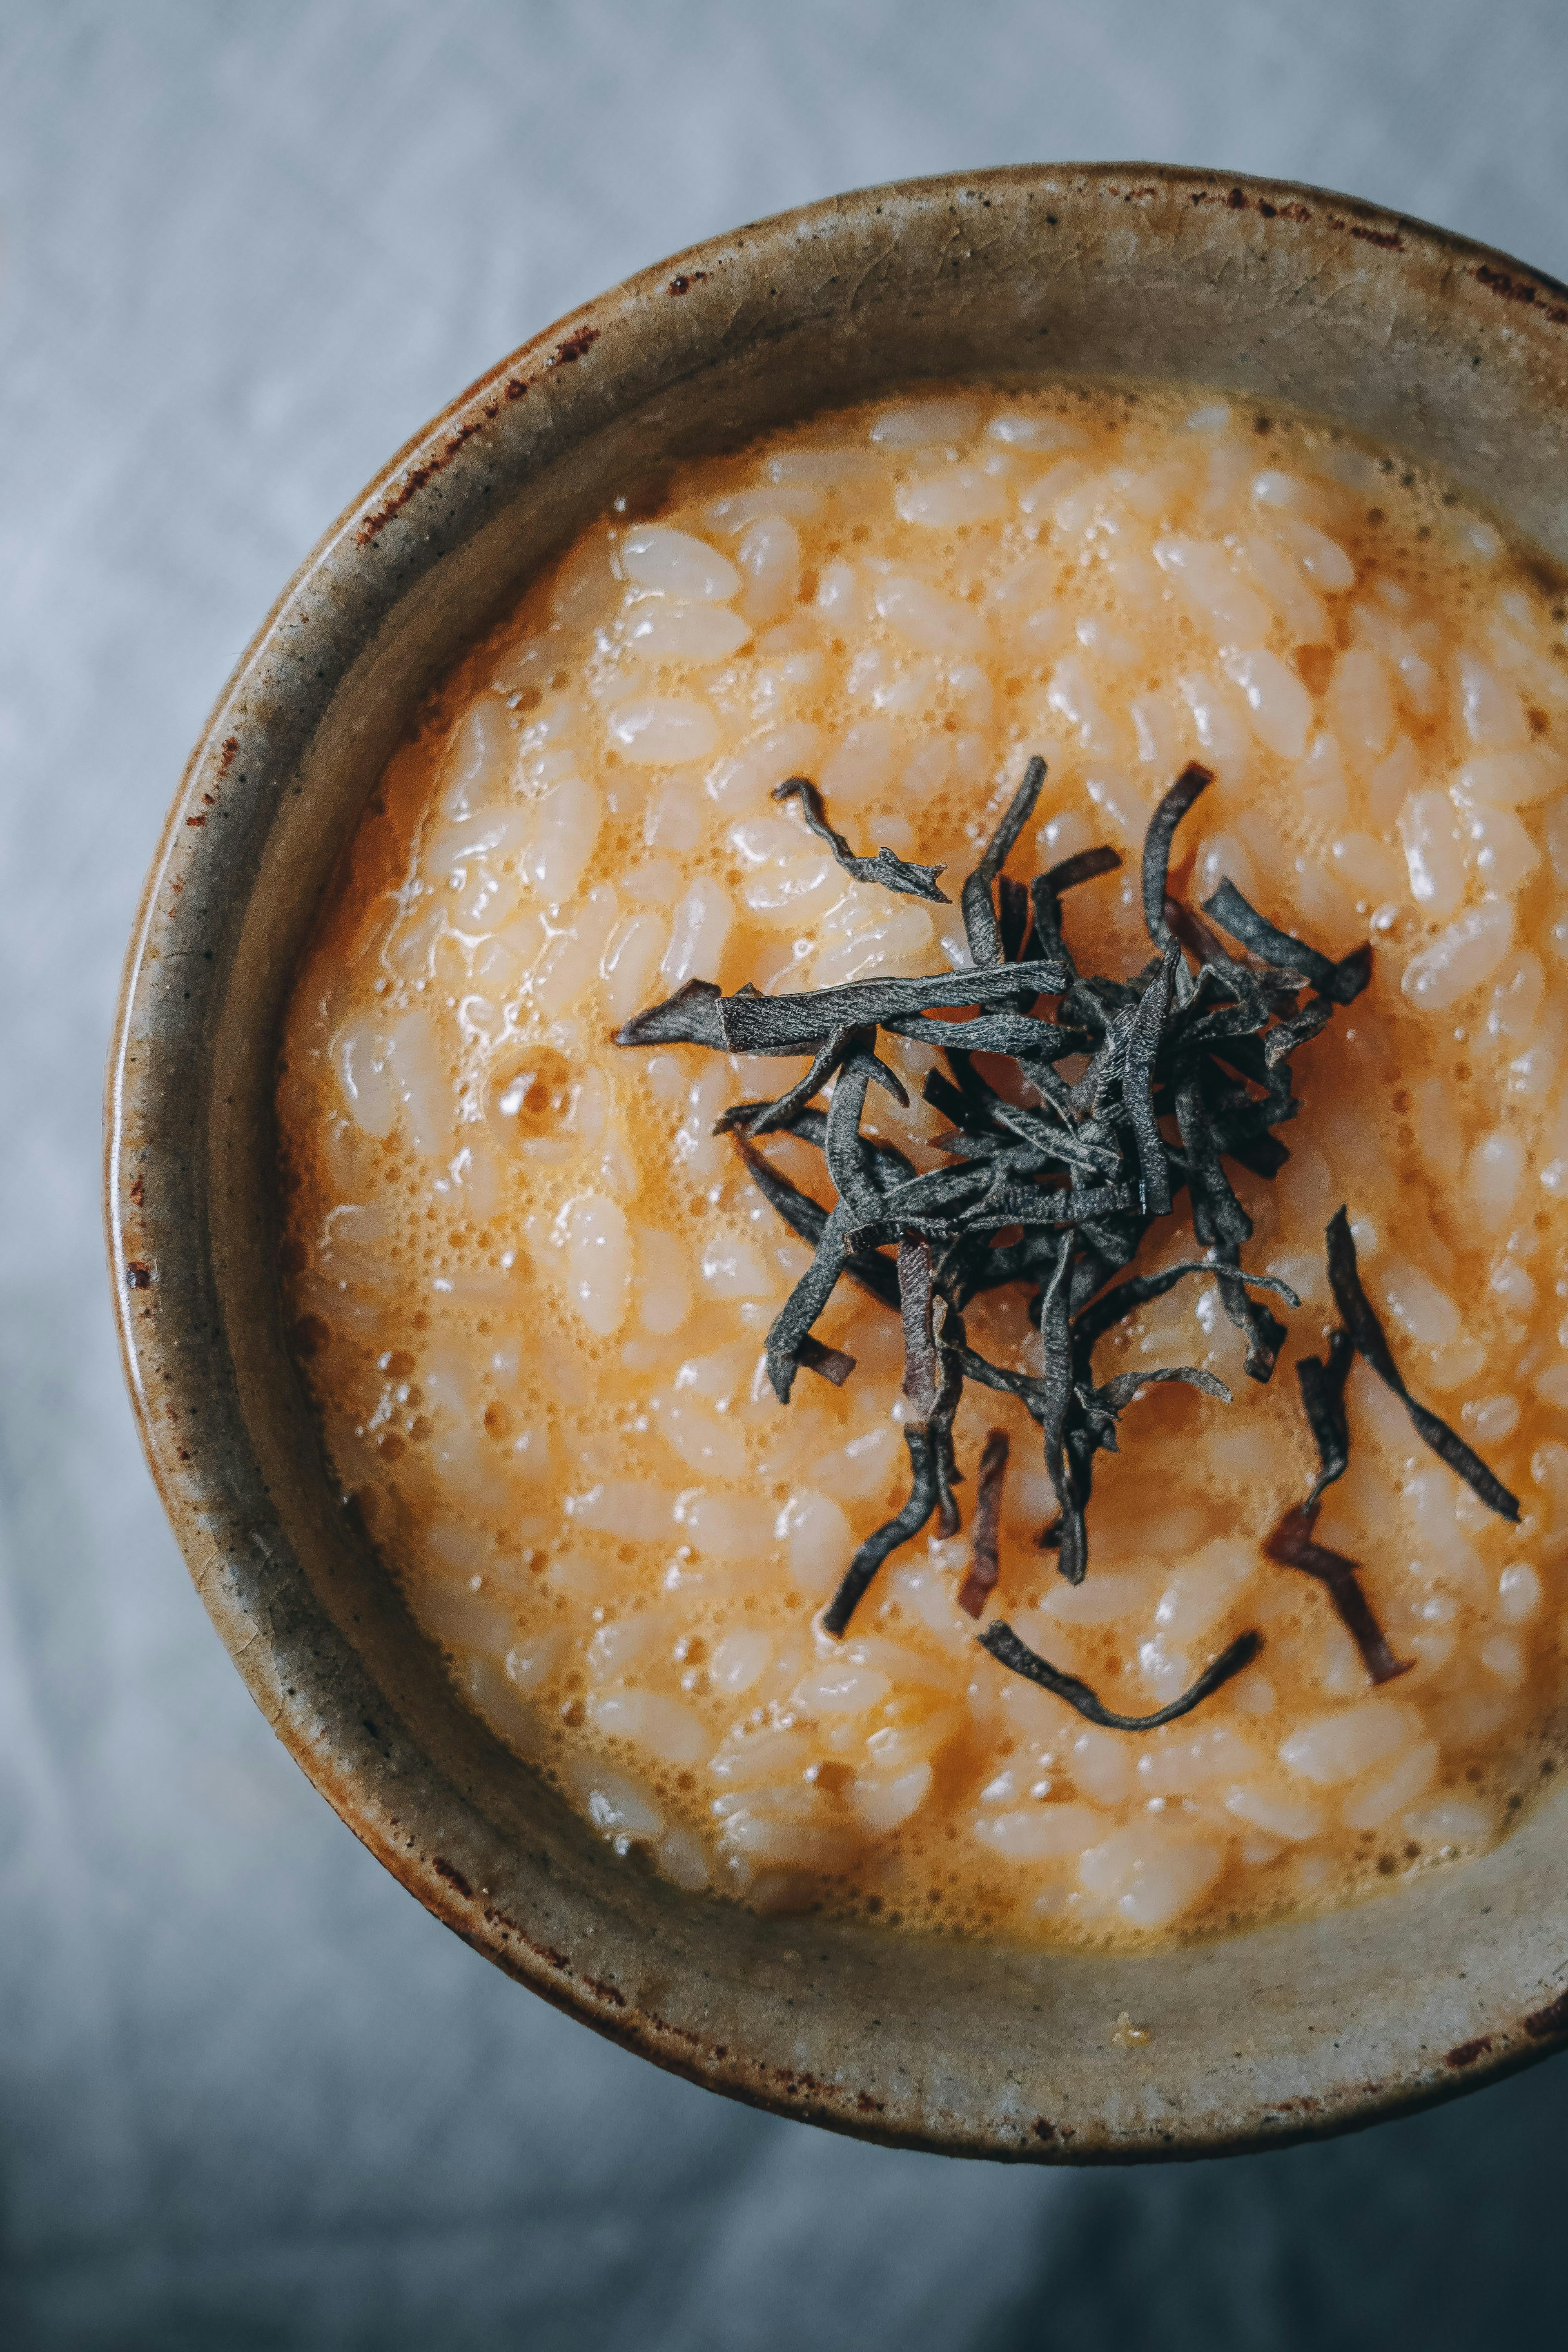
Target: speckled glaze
[(1432, 344)]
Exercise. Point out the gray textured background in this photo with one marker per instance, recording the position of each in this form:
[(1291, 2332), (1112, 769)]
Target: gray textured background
[(250, 2097)]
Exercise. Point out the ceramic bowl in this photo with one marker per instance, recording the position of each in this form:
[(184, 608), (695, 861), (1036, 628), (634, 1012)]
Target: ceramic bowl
[(1415, 337)]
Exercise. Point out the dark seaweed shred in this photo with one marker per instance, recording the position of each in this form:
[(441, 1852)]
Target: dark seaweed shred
[(1181, 1070), (985, 1556), (1009, 1651), (1341, 982), (1321, 1380), (689, 1017), (892, 873), (980, 924), (1366, 1336), (1292, 1544)]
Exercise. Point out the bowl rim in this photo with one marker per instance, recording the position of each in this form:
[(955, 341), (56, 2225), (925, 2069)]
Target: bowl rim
[(403, 488)]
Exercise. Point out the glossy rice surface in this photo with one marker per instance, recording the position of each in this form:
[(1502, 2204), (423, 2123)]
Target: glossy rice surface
[(529, 1286)]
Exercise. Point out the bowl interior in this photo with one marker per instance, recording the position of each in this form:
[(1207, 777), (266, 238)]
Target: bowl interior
[(1284, 294)]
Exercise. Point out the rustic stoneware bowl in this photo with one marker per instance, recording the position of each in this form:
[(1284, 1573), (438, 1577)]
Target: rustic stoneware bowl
[(1431, 344)]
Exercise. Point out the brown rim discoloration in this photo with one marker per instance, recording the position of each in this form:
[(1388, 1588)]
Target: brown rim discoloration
[(1275, 292)]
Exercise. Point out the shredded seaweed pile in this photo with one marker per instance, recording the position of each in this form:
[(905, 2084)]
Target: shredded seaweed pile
[(1181, 1067)]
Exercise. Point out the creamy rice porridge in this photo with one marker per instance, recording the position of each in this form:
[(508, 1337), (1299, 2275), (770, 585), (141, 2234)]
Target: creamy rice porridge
[(531, 1271)]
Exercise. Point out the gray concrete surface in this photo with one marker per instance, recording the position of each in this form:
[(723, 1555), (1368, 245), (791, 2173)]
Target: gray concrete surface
[(250, 2097)]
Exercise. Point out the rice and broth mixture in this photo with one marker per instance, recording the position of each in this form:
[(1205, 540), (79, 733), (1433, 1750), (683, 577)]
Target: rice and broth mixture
[(531, 1285)]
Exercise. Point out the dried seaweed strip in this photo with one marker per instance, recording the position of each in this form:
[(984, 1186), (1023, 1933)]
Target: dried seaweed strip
[(947, 1475), (921, 1199), (1367, 1337), (825, 1231), (1065, 1465), (750, 1024), (1016, 1035), (784, 1111), (1341, 981), (1084, 865), (905, 1524), (932, 1384), (1027, 1387), (800, 1213), (984, 1556), (844, 1145), (1298, 1030), (1220, 1027), (1197, 938), (831, 1364), (1144, 1040), (1016, 1157), (1048, 1132), (1219, 1221), (1291, 1545), (1112, 1306), (1013, 917), (1264, 1333), (933, 1375), (981, 927), (890, 872), (1157, 841), (953, 1103), (1009, 1651), (888, 1165), (689, 1017), (805, 1302), (1116, 1394), (1323, 1384), (1053, 1211), (1012, 1204), (923, 1381), (980, 1096)]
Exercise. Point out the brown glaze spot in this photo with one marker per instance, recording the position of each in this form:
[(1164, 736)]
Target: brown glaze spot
[(680, 284), (138, 1193), (1542, 2023), (1515, 290), (506, 1925), (1238, 201), (575, 347), (1467, 2052), (1042, 2130), (414, 483), (657, 2024), (137, 1276), (603, 1991), (195, 819), (1385, 237), (453, 1877), (516, 387), (230, 747)]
